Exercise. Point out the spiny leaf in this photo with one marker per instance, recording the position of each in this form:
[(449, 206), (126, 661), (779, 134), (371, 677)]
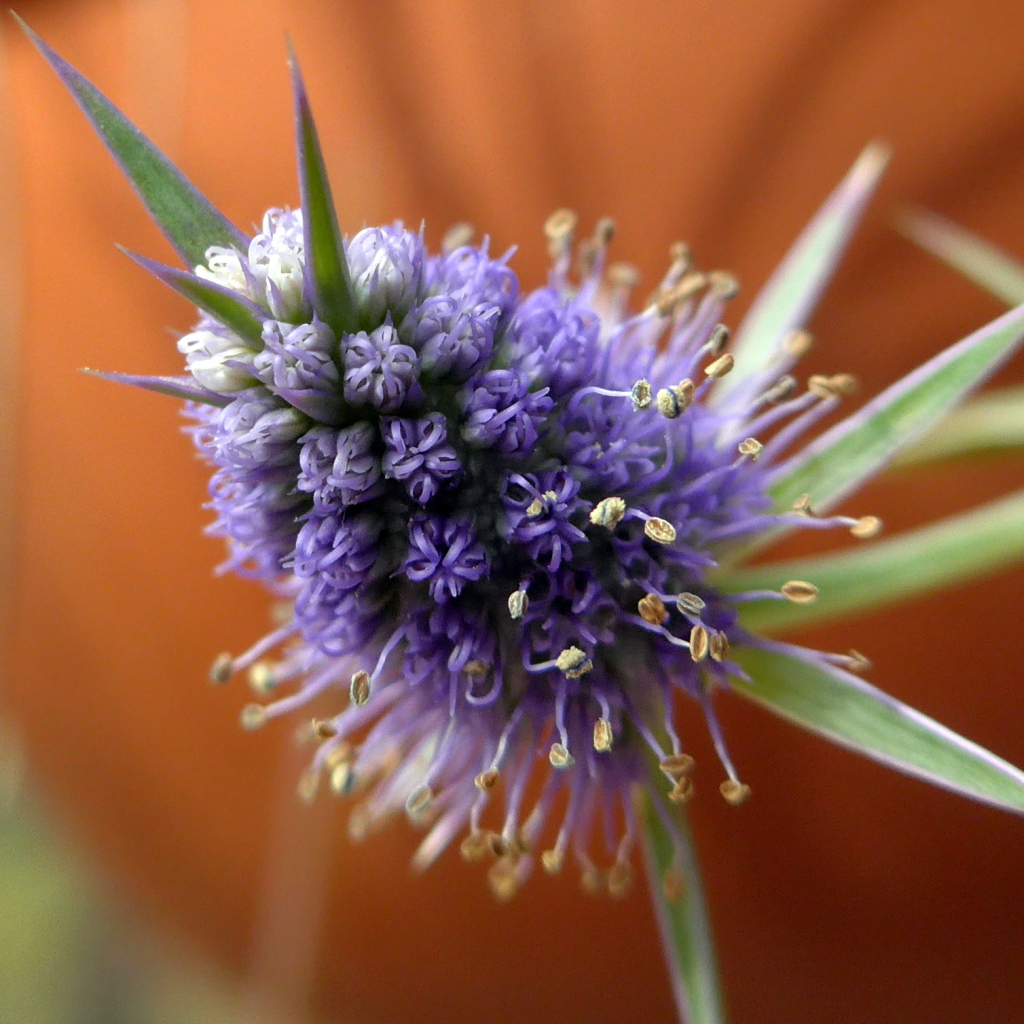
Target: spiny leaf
[(786, 302), (189, 221), (234, 311), (326, 266), (795, 684), (942, 554)]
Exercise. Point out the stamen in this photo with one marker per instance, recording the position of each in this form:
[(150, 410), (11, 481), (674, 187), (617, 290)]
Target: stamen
[(359, 688), (608, 513), (832, 387), (641, 394), (719, 339), (866, 527), (486, 780), (718, 645), (683, 791), (797, 344), (735, 792), (324, 728), (309, 785), (253, 717), (699, 643), (673, 402), (724, 285), (620, 880), (799, 591), (652, 610), (602, 735), (677, 765), (780, 390), (518, 603), (690, 604), (560, 757), (559, 227), (419, 800), (342, 779), (456, 237), (751, 448), (222, 669), (574, 663), (667, 302), (262, 678), (552, 861), (503, 879), (475, 847), (803, 504), (720, 367), (659, 530)]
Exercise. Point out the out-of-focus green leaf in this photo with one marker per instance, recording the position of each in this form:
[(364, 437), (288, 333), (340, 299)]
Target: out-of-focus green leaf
[(939, 555), (683, 923), (796, 685), (979, 261)]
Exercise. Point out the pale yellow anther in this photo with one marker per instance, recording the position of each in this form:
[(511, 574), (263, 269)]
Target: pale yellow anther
[(418, 800), (503, 879), (604, 232), (623, 275), (359, 824), (573, 662), (734, 792), (652, 609), (640, 393), (341, 753), (677, 765), (723, 284), (832, 387), (844, 384), (498, 844), (667, 403), (690, 604), (253, 717), (475, 669), (620, 880), (602, 735), (751, 448), (683, 791), (552, 861), (699, 643), (341, 779), (560, 225), (799, 591), (323, 728), (803, 505), (666, 302), (587, 252), (262, 677), (797, 344), (673, 885), (608, 512), (781, 389), (518, 602), (222, 669), (867, 527), (359, 688), (857, 662), (560, 757), (535, 508), (718, 646), (487, 780), (309, 785), (456, 237), (718, 339), (660, 530), (679, 254), (475, 847), (720, 366), (590, 881)]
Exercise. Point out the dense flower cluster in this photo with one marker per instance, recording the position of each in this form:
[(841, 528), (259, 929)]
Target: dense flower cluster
[(494, 515)]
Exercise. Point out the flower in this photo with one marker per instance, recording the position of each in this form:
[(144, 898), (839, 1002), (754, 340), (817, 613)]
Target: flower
[(499, 519)]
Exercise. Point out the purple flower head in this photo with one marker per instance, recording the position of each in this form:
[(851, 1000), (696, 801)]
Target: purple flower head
[(379, 370), (502, 412), (476, 281), (445, 554), (386, 265), (417, 454), (340, 467), (452, 340), (298, 364)]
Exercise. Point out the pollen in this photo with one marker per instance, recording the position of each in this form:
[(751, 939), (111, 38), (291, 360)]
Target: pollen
[(652, 609), (608, 513), (518, 603), (734, 792), (573, 662), (602, 735), (560, 757), (660, 530), (699, 643), (867, 527), (359, 688), (799, 591)]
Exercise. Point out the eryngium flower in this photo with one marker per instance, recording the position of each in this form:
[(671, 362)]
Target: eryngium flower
[(500, 519), (494, 515)]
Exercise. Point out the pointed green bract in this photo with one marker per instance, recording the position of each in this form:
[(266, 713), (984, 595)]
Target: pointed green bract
[(796, 685), (325, 253), (189, 221), (854, 450), (787, 300), (987, 266), (683, 923), (185, 388), (871, 576), (992, 422), (234, 311)]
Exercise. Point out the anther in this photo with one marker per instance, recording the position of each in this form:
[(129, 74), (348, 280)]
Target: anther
[(822, 386), (797, 344), (660, 530), (866, 527), (799, 591), (518, 602), (222, 669), (679, 254), (560, 225), (487, 780), (667, 404), (535, 508), (497, 844), (552, 861), (683, 791), (324, 728), (604, 232), (359, 689), (803, 505), (574, 663), (652, 609), (475, 847), (718, 645), (699, 643), (262, 677), (734, 792), (623, 275), (560, 757), (673, 885), (723, 284), (309, 785), (857, 662), (418, 800), (641, 395), (781, 389), (719, 339), (677, 765), (456, 237), (608, 512), (666, 302), (602, 735), (342, 779), (751, 447), (253, 717), (503, 880), (720, 367), (620, 880), (475, 669), (590, 881), (690, 604), (358, 824)]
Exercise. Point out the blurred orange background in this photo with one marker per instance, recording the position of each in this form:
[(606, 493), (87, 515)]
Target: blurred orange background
[(842, 892)]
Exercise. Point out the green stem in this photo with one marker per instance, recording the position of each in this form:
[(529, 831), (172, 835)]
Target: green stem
[(684, 924)]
